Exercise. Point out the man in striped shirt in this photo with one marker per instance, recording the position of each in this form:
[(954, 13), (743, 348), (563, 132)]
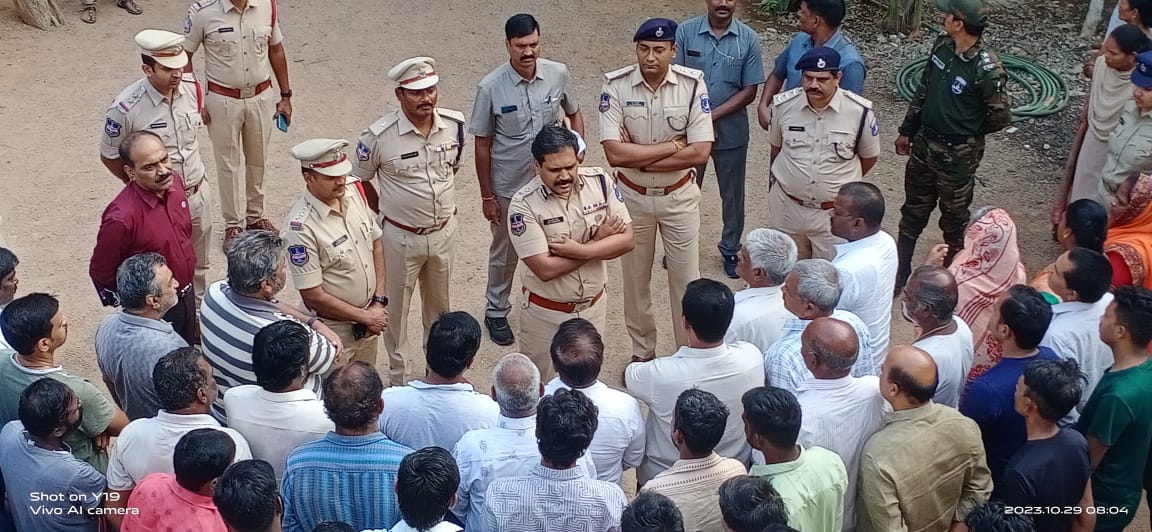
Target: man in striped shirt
[(234, 310)]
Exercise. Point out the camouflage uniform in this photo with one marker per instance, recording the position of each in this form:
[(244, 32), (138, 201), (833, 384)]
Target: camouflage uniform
[(960, 99)]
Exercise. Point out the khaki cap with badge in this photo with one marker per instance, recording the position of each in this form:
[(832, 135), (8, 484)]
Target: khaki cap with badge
[(323, 156), (417, 73), (165, 47)]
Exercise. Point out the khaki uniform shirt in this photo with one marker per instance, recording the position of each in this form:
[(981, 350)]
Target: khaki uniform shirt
[(140, 106), (536, 216), (679, 107), (332, 249), (1129, 149), (511, 110), (414, 173), (818, 149), (235, 44)]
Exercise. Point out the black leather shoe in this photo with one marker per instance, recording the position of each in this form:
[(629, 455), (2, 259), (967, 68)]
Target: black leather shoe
[(499, 331), (730, 262)]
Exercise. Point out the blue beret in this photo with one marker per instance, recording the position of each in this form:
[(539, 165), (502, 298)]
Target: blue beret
[(656, 29), (1142, 74), (819, 59)]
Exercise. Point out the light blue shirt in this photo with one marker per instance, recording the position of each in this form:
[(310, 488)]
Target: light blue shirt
[(851, 64), (729, 63), (784, 364)]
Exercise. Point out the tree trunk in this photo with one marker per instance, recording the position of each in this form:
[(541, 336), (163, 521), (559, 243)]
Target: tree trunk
[(1092, 18), (904, 16), (42, 14)]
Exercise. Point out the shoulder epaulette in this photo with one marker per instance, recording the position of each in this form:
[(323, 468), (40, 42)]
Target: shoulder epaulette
[(619, 73), (455, 116), (592, 171), (687, 71), (787, 95), (201, 4), (128, 103), (384, 122), (864, 102), (299, 216)]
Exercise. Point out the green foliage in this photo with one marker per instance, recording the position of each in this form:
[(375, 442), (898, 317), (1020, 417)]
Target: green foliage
[(774, 7)]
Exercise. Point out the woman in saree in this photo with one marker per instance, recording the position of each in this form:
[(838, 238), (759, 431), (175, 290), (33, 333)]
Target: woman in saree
[(1129, 242), (987, 266), (1110, 90)]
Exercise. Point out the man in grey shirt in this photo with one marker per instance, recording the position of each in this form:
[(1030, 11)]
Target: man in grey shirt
[(129, 343), (48, 489), (728, 52), (513, 103)]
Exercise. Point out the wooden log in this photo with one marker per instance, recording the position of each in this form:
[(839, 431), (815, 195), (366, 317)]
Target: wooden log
[(42, 14), (1092, 18)]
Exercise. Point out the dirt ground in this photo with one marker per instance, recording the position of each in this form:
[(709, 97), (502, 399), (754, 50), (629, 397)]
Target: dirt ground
[(55, 89)]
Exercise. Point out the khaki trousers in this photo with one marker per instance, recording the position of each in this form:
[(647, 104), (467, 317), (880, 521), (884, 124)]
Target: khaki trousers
[(810, 228), (538, 325), (676, 218), (200, 207), (411, 259), (363, 350), (241, 130)]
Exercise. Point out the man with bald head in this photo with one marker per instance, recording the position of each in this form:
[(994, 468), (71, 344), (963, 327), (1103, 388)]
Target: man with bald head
[(929, 298), (507, 449), (840, 412), (926, 468)]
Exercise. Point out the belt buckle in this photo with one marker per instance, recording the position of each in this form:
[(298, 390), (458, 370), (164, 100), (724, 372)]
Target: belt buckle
[(812, 205), (581, 307), (247, 92), (654, 191)]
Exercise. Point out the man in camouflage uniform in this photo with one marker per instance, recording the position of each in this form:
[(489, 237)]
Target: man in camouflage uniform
[(959, 100)]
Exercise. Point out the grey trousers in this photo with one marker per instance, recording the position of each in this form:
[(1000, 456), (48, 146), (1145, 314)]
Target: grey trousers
[(502, 261), (731, 170)]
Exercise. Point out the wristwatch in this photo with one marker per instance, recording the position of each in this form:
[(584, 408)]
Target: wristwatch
[(286, 94), (383, 300)]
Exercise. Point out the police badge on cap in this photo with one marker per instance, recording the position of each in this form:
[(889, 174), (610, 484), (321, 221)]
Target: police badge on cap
[(819, 59)]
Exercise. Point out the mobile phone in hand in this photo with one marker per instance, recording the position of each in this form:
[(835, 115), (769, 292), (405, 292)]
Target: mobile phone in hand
[(282, 122)]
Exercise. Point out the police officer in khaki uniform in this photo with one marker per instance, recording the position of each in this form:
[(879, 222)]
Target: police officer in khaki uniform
[(242, 51), (822, 137), (166, 102), (334, 248), (656, 129), (413, 154), (565, 224)]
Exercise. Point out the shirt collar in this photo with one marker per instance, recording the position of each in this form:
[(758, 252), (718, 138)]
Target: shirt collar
[(572, 473), (293, 396), (768, 470), (195, 499), (456, 386), (323, 209), (638, 78), (349, 441), (190, 420), (696, 352), (834, 103), (30, 371), (250, 305), (706, 27), (517, 78), (229, 6), (694, 464), (154, 94), (147, 323), (516, 423), (762, 291), (848, 246), (405, 126), (812, 383), (795, 324), (910, 414), (834, 42), (1067, 307), (403, 526), (147, 195)]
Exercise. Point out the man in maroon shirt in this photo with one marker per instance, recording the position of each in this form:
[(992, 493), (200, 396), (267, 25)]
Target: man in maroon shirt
[(150, 214)]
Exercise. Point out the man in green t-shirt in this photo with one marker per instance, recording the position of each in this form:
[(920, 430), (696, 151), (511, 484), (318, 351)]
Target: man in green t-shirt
[(35, 327), (1117, 421)]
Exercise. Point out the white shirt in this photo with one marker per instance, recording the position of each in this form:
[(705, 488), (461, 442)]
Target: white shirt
[(758, 317), (953, 356), (619, 440), (403, 526), (840, 415), (867, 275), (726, 371), (146, 445), (3, 343), (423, 415), (1075, 332), (506, 449), (275, 424)]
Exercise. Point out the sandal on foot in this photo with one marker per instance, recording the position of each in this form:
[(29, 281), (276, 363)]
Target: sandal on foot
[(88, 14), (129, 6)]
